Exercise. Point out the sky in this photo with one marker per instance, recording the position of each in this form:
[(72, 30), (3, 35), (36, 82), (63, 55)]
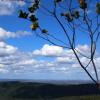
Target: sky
[(23, 55)]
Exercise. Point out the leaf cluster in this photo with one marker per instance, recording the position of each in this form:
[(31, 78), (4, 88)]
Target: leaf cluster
[(70, 16), (98, 8), (83, 4)]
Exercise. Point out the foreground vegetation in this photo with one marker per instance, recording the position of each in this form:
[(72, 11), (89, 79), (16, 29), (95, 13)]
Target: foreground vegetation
[(42, 91), (92, 97)]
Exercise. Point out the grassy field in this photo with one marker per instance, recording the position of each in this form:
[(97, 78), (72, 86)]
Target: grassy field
[(92, 97), (41, 91)]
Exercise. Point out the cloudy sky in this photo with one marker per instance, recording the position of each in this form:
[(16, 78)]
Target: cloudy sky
[(25, 56)]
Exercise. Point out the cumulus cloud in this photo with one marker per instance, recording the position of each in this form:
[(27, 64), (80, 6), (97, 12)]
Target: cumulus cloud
[(10, 56), (4, 34), (66, 59), (64, 55), (51, 50), (15, 61), (12, 59), (48, 50), (7, 7), (83, 49), (6, 49)]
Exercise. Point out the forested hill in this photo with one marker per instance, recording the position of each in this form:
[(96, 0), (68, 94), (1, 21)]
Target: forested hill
[(43, 90)]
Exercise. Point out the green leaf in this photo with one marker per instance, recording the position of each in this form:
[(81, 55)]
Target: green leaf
[(44, 31), (76, 14), (36, 2), (31, 9), (35, 5), (98, 8), (34, 26), (23, 14), (83, 4), (62, 14), (33, 18), (98, 5), (68, 17)]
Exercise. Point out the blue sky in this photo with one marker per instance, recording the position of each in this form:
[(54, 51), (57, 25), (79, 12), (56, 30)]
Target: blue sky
[(25, 56)]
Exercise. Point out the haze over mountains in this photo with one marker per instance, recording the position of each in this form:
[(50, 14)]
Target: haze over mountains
[(62, 82)]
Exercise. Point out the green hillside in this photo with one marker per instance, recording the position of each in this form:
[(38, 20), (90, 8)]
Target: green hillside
[(42, 91)]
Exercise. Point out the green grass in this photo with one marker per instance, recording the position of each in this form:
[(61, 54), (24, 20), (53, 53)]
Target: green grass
[(91, 97)]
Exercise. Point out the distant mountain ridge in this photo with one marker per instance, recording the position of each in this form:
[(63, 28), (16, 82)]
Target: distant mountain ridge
[(49, 81)]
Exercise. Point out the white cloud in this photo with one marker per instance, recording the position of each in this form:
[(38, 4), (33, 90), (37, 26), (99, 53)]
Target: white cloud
[(49, 50), (55, 51), (6, 49), (27, 62), (3, 71), (22, 33), (84, 49), (1, 65), (7, 7), (4, 34), (15, 61), (65, 59)]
